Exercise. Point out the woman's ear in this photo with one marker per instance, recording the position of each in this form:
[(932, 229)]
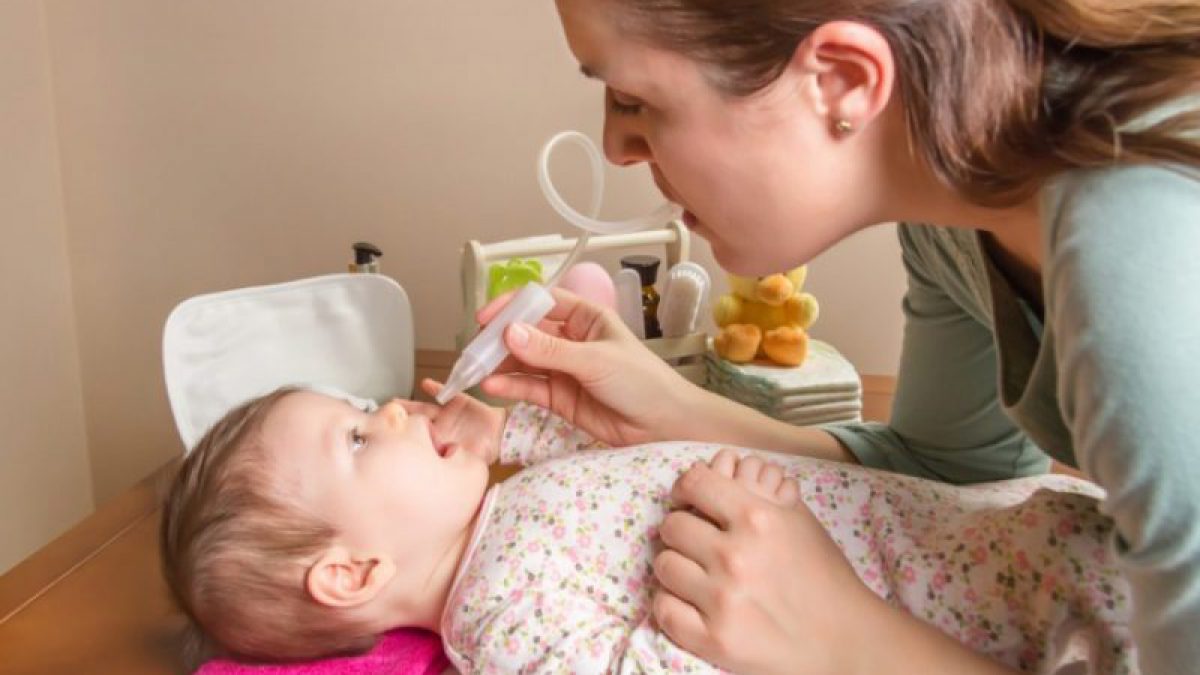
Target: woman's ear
[(340, 578), (849, 72)]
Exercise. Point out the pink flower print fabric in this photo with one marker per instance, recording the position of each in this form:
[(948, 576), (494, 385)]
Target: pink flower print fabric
[(558, 576)]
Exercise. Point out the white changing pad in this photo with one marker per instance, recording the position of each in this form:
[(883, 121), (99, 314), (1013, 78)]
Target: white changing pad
[(349, 332)]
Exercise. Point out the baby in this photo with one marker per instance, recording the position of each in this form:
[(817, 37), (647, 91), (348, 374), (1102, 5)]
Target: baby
[(302, 526)]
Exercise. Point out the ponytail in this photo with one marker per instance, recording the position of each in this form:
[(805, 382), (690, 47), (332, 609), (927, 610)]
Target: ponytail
[(1113, 85)]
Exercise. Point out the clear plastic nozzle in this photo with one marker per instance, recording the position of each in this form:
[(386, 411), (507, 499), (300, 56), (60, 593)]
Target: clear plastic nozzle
[(487, 350)]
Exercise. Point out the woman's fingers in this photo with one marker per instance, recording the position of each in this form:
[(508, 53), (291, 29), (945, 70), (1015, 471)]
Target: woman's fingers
[(518, 387), (769, 478), (681, 622), (565, 303), (748, 471), (692, 536), (682, 577), (724, 462), (583, 361), (788, 493), (512, 364)]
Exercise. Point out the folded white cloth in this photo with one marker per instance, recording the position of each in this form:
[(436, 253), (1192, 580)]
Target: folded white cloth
[(811, 400), (824, 389), (842, 408), (810, 420), (825, 371)]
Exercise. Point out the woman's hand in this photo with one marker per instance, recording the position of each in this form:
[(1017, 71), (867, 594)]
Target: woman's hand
[(756, 586), (464, 421), (583, 363), (750, 584)]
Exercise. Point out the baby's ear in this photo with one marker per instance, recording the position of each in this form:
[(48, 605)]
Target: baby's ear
[(341, 578)]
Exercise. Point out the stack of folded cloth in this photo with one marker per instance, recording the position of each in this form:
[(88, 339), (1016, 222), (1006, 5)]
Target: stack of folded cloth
[(825, 388)]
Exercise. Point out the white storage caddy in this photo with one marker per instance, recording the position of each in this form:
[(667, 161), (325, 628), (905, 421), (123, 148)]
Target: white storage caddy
[(349, 332), (685, 353)]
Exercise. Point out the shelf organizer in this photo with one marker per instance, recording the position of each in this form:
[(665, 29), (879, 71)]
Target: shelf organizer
[(685, 354)]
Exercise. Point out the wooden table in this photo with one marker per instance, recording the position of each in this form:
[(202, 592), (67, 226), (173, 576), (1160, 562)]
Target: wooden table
[(93, 601)]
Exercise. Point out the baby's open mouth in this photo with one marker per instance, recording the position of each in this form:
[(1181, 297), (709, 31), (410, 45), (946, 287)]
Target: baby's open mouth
[(442, 448)]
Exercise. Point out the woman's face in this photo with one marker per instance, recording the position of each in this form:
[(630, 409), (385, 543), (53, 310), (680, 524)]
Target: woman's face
[(762, 177)]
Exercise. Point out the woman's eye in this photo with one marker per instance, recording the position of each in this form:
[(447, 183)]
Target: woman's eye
[(357, 440), (622, 105)]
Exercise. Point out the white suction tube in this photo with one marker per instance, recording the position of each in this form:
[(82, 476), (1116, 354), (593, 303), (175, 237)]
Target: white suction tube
[(487, 350)]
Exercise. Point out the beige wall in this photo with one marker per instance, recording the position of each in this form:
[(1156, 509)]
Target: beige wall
[(210, 144), (45, 483)]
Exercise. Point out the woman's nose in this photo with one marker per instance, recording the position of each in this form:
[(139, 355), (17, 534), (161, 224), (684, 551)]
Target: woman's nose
[(624, 143)]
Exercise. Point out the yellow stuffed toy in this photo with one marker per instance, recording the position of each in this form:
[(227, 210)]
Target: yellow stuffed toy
[(766, 316)]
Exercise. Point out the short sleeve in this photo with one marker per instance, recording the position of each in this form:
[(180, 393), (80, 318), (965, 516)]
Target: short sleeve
[(533, 434)]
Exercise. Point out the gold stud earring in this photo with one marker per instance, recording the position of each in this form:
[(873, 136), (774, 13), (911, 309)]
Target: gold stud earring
[(843, 126)]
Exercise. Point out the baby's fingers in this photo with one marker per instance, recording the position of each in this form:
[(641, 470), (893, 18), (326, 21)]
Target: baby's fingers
[(431, 386), (429, 410)]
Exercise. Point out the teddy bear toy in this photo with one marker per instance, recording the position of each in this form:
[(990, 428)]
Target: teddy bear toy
[(765, 316)]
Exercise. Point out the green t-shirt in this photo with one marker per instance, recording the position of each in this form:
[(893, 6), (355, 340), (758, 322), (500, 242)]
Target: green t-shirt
[(1108, 380)]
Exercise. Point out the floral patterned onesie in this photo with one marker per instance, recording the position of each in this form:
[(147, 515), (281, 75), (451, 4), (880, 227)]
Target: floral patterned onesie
[(557, 577)]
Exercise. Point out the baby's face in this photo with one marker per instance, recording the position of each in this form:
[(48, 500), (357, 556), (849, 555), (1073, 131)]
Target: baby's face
[(380, 478)]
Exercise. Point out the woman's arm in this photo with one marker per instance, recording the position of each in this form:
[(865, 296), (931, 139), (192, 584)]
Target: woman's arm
[(1123, 297), (947, 422), (716, 419), (586, 367)]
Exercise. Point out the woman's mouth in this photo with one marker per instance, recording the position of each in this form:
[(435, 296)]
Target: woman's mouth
[(689, 219)]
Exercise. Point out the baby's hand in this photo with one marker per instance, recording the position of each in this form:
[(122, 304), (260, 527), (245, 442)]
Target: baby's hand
[(464, 421), (762, 477)]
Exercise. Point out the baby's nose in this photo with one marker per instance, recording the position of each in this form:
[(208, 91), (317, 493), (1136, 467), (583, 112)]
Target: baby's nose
[(393, 413)]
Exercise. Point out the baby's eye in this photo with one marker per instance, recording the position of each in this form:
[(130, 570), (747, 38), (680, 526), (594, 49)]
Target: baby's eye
[(357, 440)]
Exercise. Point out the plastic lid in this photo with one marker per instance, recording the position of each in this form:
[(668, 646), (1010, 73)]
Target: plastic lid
[(645, 265)]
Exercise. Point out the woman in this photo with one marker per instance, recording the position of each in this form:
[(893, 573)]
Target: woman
[(1051, 307)]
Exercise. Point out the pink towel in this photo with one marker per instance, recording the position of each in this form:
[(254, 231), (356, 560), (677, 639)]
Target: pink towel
[(405, 651)]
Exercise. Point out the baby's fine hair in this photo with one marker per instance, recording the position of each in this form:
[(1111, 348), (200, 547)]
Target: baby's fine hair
[(236, 548)]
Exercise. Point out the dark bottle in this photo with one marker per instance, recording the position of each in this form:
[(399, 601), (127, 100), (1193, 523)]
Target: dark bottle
[(646, 267), (366, 257)]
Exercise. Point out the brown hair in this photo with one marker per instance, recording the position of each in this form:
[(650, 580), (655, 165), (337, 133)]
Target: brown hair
[(1000, 94), (236, 548)]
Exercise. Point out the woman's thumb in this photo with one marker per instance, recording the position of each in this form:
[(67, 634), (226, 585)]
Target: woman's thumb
[(537, 349)]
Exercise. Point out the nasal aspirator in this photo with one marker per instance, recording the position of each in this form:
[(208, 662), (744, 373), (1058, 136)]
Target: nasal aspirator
[(531, 304)]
